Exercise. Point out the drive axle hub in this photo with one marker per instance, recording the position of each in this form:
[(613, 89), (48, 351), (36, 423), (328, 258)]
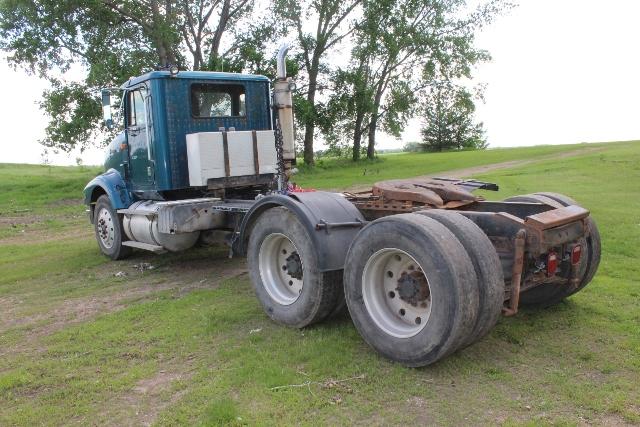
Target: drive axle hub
[(294, 266), (413, 288)]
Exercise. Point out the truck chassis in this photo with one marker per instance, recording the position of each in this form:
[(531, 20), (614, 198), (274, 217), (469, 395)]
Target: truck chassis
[(424, 266)]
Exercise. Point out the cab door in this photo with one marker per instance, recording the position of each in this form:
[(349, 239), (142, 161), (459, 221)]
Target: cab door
[(141, 163)]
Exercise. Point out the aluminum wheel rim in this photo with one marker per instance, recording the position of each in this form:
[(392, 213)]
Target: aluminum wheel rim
[(387, 304), (105, 228), (273, 260)]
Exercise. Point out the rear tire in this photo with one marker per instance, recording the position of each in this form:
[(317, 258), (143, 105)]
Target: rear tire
[(549, 294), (340, 310), (284, 271), (486, 264), (108, 228), (411, 289)]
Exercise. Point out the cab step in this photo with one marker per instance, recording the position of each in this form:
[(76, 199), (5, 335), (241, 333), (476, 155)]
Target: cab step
[(146, 246)]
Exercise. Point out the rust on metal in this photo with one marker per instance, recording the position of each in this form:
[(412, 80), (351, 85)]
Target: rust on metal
[(516, 273), (415, 194), (557, 217), (413, 288), (436, 193)]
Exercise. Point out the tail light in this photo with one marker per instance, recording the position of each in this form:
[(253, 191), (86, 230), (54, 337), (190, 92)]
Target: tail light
[(576, 253), (552, 263)]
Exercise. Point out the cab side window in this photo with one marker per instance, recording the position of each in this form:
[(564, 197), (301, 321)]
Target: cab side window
[(137, 115), (217, 100)]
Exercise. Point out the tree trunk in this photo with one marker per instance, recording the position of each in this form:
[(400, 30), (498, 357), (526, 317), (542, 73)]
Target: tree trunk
[(357, 134), (217, 35), (165, 54), (308, 142), (162, 54), (373, 124), (310, 120)]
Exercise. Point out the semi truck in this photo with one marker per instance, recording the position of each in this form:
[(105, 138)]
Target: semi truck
[(423, 266)]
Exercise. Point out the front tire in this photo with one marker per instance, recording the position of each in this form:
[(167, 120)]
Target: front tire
[(411, 289), (284, 271), (108, 229)]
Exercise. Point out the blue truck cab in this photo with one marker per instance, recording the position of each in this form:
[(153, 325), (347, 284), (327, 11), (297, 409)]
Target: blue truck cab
[(147, 160)]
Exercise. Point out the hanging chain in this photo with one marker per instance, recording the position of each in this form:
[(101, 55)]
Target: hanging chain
[(281, 177)]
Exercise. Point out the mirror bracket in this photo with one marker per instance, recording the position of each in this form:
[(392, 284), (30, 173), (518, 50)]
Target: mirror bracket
[(106, 108)]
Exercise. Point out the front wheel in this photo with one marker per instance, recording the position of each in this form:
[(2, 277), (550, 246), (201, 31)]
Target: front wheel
[(284, 271), (109, 231)]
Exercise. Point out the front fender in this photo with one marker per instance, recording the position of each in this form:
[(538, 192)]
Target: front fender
[(113, 185), (331, 221)]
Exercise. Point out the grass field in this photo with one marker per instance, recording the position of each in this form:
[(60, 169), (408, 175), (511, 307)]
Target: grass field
[(187, 343)]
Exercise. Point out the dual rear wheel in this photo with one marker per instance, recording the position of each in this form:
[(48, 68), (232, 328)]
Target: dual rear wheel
[(421, 286), (418, 286)]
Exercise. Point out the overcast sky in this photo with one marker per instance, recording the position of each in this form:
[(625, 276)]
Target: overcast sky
[(563, 71)]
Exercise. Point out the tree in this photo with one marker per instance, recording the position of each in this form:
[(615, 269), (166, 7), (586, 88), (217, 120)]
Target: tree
[(346, 110), (229, 17), (331, 28), (402, 47), (449, 120), (113, 40)]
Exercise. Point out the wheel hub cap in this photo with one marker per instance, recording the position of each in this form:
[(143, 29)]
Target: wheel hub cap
[(413, 288), (294, 266), (105, 230), (281, 268), (396, 292)]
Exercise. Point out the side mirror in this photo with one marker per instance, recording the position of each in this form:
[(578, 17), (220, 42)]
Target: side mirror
[(106, 108)]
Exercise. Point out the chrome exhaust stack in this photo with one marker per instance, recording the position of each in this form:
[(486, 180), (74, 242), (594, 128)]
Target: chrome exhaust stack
[(284, 104)]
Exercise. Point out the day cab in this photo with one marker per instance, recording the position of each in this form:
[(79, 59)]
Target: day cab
[(147, 160)]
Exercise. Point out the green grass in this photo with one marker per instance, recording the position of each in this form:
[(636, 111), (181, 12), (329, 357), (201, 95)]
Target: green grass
[(36, 188), (336, 173), (174, 346)]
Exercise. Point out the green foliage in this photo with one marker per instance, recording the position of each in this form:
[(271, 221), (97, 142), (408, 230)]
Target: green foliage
[(114, 40), (449, 120), (412, 147), (74, 113), (401, 48), (332, 26)]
